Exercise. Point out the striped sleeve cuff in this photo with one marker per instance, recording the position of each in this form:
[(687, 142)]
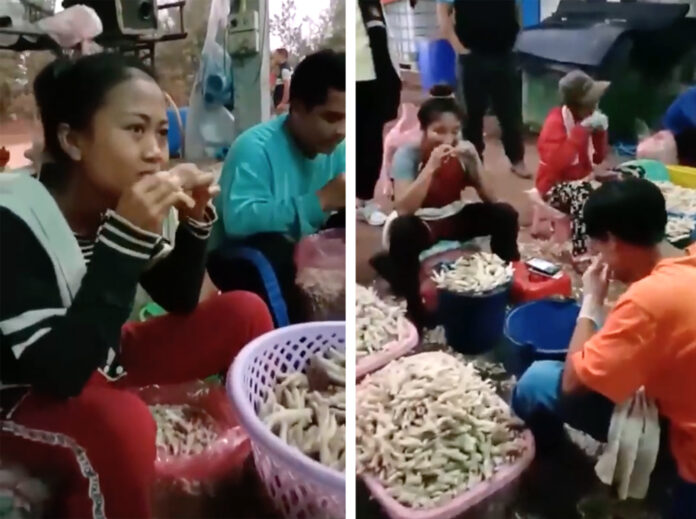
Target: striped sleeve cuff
[(127, 238), (202, 228)]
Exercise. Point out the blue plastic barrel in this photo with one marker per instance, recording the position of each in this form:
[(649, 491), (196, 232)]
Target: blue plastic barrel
[(436, 63), (174, 130), (531, 12), (538, 330), (473, 323)]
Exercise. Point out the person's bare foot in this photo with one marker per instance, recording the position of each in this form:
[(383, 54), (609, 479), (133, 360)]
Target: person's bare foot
[(520, 169)]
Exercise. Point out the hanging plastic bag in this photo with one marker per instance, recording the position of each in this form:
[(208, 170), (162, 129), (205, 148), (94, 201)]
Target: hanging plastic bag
[(660, 146), (320, 262), (199, 440), (76, 25), (405, 131), (210, 127)]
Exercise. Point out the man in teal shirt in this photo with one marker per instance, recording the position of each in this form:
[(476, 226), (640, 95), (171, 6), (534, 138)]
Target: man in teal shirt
[(283, 179)]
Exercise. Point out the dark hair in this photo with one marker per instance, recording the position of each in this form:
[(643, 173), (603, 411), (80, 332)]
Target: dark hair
[(632, 209), (283, 51), (72, 91), (315, 75), (441, 101)]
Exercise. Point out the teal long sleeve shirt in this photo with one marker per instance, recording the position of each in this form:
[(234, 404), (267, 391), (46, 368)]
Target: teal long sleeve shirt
[(269, 186)]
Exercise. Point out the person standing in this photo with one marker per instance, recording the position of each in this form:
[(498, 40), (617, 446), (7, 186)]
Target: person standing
[(483, 34), (282, 72), (377, 94)]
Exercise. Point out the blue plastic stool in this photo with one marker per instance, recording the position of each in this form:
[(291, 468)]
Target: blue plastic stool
[(174, 136), (437, 63), (274, 295)]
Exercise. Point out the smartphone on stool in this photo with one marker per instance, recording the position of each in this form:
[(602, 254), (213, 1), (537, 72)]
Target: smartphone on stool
[(543, 267)]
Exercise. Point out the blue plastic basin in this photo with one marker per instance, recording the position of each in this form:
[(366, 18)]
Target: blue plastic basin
[(538, 330)]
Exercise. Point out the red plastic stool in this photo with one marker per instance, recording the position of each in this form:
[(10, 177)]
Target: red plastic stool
[(529, 286)]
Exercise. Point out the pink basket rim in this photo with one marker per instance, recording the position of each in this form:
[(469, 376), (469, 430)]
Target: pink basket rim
[(301, 464), (462, 502), (391, 351)]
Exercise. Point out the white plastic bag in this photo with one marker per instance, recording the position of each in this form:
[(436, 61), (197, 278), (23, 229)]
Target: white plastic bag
[(78, 24), (660, 146), (210, 127)]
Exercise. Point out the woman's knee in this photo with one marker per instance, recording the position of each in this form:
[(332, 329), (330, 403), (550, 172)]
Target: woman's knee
[(506, 214), (240, 307), (538, 387), (408, 234)]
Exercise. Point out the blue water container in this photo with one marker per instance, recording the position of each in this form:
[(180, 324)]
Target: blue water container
[(174, 137), (473, 323), (531, 12), (436, 63), (538, 330)]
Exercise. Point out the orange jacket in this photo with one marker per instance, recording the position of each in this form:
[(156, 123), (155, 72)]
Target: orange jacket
[(558, 151)]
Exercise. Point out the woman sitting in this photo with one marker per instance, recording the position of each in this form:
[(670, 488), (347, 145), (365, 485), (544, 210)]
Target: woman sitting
[(572, 140), (429, 178), (77, 246)]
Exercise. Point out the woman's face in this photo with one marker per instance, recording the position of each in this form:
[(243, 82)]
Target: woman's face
[(584, 111), (127, 138), (445, 129)]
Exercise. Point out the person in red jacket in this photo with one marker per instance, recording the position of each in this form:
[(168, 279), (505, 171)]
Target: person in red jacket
[(572, 141)]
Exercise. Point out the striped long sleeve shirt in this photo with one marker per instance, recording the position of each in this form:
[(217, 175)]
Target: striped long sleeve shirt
[(55, 349)]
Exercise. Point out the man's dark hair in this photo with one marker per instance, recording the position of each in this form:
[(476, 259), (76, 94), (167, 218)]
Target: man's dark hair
[(315, 75), (71, 92), (283, 51), (633, 210)]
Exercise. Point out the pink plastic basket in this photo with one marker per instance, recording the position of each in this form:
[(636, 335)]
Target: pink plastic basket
[(389, 352), (300, 487), (505, 476)]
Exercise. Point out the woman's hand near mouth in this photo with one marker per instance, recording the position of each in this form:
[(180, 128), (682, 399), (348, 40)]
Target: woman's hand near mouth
[(198, 185), (147, 202)]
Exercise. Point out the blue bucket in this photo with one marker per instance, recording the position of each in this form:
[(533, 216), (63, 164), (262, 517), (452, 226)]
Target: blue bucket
[(473, 323), (174, 136), (538, 330), (437, 63)]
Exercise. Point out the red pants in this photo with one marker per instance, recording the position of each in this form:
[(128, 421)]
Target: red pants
[(97, 450)]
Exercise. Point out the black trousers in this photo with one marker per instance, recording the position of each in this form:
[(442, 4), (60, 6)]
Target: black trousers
[(238, 274), (409, 236), (494, 79), (369, 128)]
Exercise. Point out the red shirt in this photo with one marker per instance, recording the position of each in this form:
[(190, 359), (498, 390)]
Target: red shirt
[(447, 183), (558, 151)]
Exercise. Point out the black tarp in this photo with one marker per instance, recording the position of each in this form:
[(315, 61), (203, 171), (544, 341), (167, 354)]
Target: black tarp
[(634, 45), (601, 36)]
